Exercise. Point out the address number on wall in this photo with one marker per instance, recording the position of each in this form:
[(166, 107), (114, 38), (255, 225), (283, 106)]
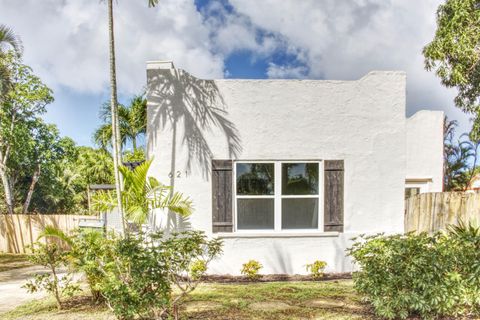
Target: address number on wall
[(177, 174)]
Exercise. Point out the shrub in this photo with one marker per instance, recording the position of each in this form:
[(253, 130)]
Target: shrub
[(251, 269), (88, 249), (427, 275), (139, 272), (135, 274), (316, 269), (51, 256)]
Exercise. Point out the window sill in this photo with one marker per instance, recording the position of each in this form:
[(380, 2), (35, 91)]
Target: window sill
[(227, 235)]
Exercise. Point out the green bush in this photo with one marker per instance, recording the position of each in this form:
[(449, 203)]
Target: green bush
[(89, 248), (316, 269), (139, 271), (135, 275), (52, 257), (423, 275), (251, 269)]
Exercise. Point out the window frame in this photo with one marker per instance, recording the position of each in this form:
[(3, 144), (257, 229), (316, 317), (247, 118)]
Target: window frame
[(277, 197)]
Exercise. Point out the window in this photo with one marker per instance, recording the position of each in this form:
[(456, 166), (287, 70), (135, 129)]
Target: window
[(299, 195), (255, 195), (411, 191), (277, 195)]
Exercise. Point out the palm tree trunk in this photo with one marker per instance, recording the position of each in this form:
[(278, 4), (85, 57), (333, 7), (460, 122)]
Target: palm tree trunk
[(116, 143)]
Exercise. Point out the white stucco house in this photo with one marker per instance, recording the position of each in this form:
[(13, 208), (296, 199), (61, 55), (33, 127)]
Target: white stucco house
[(286, 172)]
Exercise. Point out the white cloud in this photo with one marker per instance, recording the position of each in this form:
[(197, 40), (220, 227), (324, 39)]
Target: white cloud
[(66, 40), (347, 39), (275, 71)]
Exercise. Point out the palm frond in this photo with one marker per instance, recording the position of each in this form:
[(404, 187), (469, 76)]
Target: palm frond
[(9, 38), (53, 232), (104, 201), (153, 3), (103, 136)]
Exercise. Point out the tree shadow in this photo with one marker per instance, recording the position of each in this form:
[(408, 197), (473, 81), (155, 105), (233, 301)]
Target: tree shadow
[(199, 107)]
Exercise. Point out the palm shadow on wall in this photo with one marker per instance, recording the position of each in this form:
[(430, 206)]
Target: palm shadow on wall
[(197, 105)]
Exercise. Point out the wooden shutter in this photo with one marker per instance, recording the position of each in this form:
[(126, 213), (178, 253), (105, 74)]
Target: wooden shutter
[(222, 220), (333, 199)]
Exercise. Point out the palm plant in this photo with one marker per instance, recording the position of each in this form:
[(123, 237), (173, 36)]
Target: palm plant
[(457, 155), (132, 123), (141, 195), (8, 40)]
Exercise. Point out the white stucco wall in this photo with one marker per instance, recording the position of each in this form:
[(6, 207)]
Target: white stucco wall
[(425, 150), (362, 122)]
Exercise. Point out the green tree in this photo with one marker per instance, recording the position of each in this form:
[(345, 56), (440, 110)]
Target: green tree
[(24, 102), (64, 187), (454, 54), (460, 158), (132, 123), (44, 149), (95, 165), (58, 189)]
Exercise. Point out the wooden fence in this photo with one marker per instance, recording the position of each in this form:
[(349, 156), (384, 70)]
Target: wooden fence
[(19, 230), (435, 211)]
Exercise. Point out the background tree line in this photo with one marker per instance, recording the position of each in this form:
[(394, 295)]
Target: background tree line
[(40, 170)]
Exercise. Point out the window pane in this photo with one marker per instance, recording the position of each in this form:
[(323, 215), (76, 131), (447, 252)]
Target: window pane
[(255, 179), (300, 213), (255, 213), (410, 192), (299, 178)]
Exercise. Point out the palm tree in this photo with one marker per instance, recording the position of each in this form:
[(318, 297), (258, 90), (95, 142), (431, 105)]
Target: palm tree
[(141, 195), (116, 142), (8, 40), (132, 123)]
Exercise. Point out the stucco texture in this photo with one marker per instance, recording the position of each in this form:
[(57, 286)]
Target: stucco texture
[(191, 121)]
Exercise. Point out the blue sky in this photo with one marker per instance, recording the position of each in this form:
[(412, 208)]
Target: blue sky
[(66, 44)]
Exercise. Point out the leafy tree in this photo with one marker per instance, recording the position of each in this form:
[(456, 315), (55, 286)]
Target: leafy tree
[(58, 189), (44, 149), (138, 155), (132, 123), (95, 165), (24, 102), (454, 54), (52, 257), (64, 187)]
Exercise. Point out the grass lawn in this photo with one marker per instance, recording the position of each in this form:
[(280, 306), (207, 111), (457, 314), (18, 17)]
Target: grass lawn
[(9, 261), (275, 300)]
